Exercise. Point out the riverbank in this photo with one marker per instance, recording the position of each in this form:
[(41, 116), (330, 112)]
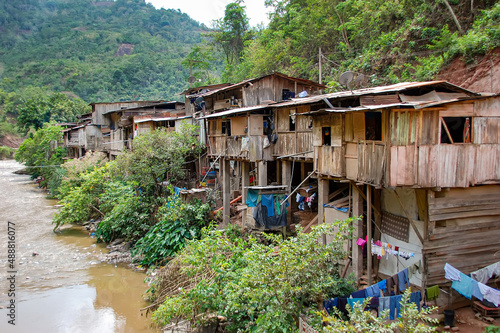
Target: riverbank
[(61, 283)]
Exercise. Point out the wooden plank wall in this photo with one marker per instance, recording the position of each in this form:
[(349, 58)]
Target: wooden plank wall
[(464, 230), (330, 160), (292, 142), (371, 162), (417, 158)]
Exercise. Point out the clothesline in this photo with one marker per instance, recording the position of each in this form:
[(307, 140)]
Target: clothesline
[(469, 287), (391, 302), (381, 249)]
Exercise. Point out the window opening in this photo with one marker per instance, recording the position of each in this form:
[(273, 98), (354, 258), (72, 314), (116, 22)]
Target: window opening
[(327, 136), (456, 130), (373, 126), (291, 124), (226, 127)]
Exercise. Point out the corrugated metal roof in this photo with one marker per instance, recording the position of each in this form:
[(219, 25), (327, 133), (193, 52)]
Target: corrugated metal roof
[(235, 111), (143, 120), (415, 105), (144, 106), (398, 87)]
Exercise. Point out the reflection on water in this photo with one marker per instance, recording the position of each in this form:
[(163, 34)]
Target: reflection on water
[(60, 284)]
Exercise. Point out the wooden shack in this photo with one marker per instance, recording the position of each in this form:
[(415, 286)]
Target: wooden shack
[(422, 161), (240, 126), (117, 120)]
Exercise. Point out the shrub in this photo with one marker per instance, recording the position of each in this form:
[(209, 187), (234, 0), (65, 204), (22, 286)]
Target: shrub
[(177, 222), (257, 287), (6, 152)]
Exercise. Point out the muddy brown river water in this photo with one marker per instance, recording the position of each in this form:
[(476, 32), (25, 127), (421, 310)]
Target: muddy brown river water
[(64, 287)]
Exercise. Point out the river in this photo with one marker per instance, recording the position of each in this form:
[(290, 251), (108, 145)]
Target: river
[(58, 282)]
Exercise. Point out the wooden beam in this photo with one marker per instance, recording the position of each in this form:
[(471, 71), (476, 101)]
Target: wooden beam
[(446, 129), (314, 220), (409, 218), (364, 197), (369, 257), (357, 251)]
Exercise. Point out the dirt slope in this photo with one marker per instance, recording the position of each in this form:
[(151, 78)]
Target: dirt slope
[(483, 75)]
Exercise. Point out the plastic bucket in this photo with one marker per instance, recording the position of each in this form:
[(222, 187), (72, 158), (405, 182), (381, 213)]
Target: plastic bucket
[(449, 318)]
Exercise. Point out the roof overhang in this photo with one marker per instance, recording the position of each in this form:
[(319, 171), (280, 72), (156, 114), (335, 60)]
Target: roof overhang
[(235, 111)]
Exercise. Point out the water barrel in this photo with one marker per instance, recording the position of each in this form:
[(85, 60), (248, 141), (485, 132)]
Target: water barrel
[(449, 318)]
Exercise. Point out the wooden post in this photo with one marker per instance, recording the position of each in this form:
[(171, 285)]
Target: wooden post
[(323, 191), (286, 179), (377, 203), (245, 182), (357, 251), (226, 191), (262, 173), (369, 234)]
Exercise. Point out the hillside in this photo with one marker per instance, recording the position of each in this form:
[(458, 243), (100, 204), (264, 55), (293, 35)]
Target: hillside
[(97, 50), (388, 41)]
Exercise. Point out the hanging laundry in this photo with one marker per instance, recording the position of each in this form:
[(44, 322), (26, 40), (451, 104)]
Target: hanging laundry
[(432, 292), (416, 297), (384, 304), (391, 282), (382, 285), (311, 199), (403, 279), (361, 242), (490, 294), (373, 291), (386, 249), (476, 292), (463, 286), (268, 201), (252, 197), (374, 304), (451, 273), (352, 301), (269, 222), (278, 199), (359, 294), (484, 274)]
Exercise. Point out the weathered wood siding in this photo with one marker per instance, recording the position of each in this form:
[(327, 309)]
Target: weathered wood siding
[(76, 138), (417, 158), (297, 141), (270, 88), (117, 139), (93, 138), (371, 162), (463, 230), (329, 160)]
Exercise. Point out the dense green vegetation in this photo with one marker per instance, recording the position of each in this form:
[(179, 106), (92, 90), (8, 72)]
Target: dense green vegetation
[(257, 286), (128, 196), (43, 155), (387, 41), (98, 50)]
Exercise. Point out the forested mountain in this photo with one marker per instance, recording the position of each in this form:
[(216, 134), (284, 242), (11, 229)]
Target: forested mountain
[(97, 50)]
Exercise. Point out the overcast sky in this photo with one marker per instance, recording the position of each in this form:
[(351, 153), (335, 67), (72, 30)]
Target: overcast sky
[(205, 11)]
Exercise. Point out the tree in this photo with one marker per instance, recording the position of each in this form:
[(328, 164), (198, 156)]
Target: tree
[(159, 156), (232, 31), (41, 153), (41, 109)]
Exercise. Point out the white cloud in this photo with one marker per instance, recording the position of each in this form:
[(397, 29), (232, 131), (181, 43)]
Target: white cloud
[(205, 11)]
